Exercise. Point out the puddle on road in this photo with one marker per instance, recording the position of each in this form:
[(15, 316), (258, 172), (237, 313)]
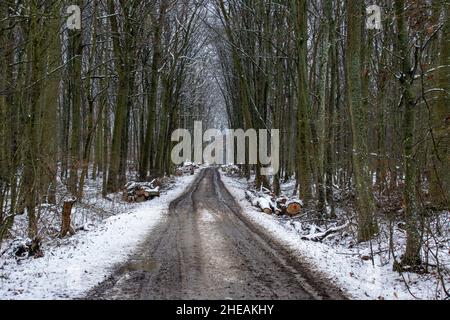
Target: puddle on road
[(146, 266)]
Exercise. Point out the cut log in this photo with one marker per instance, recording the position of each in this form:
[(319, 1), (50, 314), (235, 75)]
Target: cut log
[(281, 201), (148, 192), (140, 199), (262, 202), (265, 205), (293, 208)]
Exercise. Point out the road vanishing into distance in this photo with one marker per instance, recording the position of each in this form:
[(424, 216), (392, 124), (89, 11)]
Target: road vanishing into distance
[(207, 249)]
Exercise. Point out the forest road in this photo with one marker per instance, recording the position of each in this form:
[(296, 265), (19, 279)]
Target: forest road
[(207, 249)]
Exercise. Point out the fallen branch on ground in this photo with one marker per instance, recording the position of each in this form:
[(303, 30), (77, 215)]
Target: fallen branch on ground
[(319, 237)]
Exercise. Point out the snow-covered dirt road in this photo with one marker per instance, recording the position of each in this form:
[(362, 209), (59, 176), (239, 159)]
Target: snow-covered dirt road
[(207, 249)]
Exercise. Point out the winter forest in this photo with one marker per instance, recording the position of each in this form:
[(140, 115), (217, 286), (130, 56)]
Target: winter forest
[(363, 112)]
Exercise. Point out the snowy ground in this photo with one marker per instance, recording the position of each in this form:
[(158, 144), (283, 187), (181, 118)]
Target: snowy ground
[(114, 229), (72, 266), (343, 264)]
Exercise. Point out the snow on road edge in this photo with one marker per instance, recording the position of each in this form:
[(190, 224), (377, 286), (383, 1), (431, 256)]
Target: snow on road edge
[(70, 270), (359, 279)]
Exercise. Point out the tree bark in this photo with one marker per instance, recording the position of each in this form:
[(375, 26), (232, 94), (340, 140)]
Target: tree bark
[(413, 241), (66, 219), (300, 16), (440, 166), (367, 226)]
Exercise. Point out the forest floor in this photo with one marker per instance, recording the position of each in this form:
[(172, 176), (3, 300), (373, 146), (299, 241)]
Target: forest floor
[(203, 239)]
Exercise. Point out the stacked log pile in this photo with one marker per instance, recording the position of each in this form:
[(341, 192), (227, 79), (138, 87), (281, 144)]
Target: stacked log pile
[(263, 202), (188, 168), (140, 191), (230, 169), (268, 204)]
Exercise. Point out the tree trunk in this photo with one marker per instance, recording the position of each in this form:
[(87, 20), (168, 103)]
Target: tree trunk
[(122, 68), (75, 83), (413, 241), (440, 177), (153, 94), (66, 219), (300, 16), (367, 226)]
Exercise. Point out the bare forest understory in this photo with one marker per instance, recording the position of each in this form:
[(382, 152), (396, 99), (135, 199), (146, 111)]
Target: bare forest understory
[(92, 205)]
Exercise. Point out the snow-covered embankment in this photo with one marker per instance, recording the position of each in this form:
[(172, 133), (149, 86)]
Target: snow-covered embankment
[(342, 265)]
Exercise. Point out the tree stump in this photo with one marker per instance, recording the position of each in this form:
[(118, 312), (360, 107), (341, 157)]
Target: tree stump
[(66, 221)]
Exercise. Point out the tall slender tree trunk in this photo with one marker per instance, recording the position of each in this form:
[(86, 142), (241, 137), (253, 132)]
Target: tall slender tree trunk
[(75, 84), (31, 167), (321, 121), (413, 241), (440, 176), (122, 69), (153, 94), (300, 12), (367, 226), (88, 89), (330, 110)]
